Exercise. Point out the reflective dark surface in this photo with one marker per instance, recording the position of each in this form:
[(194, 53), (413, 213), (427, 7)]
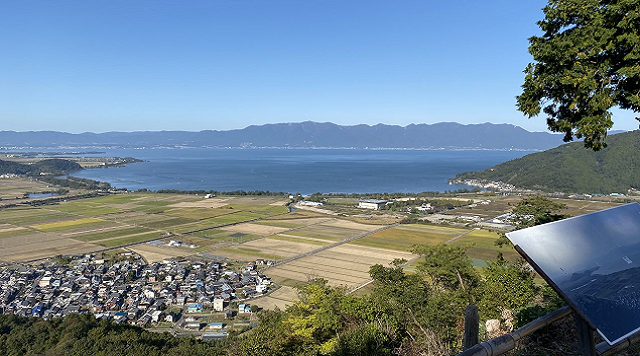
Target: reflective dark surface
[(594, 261)]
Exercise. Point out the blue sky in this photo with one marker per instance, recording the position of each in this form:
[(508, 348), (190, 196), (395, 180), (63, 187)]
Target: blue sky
[(192, 65)]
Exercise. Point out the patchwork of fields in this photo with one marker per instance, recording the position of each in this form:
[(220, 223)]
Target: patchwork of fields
[(236, 228), (93, 224)]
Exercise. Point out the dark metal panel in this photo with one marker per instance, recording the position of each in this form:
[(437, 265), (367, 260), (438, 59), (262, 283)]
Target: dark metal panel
[(593, 261)]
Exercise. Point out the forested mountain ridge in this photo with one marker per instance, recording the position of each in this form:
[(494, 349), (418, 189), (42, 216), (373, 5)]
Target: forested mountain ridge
[(305, 134), (572, 168), (52, 166)]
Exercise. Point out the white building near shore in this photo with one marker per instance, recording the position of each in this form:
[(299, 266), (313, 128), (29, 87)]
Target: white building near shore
[(374, 204)]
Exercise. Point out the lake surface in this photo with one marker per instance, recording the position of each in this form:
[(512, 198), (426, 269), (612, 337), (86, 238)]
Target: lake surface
[(303, 171)]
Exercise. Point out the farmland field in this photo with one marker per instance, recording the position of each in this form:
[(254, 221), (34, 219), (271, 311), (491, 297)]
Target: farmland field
[(12, 188), (69, 224), (482, 247), (403, 237), (346, 265), (92, 224)]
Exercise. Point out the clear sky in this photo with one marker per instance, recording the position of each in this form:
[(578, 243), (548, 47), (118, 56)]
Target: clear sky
[(130, 65)]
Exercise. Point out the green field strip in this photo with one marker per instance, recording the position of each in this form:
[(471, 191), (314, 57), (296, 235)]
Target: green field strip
[(327, 232), (44, 216), (111, 234), (149, 209), (70, 224), (202, 225), (402, 239), (233, 218), (260, 209), (482, 246), (130, 239), (116, 199), (293, 239), (154, 203), (343, 201), (17, 232), (163, 224), (142, 218), (279, 223), (88, 210), (20, 212), (197, 213), (454, 231)]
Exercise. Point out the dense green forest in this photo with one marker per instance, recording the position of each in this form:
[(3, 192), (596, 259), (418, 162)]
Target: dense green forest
[(53, 166), (571, 168)]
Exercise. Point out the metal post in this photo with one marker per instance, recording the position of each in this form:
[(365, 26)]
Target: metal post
[(586, 342), (471, 326)]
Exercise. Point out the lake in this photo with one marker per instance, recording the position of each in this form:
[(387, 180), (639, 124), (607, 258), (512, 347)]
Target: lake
[(303, 171)]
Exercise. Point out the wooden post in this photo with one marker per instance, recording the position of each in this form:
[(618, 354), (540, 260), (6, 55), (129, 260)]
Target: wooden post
[(471, 327), (586, 342)]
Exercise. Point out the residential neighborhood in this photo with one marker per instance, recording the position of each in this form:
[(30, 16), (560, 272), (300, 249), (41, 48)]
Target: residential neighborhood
[(175, 293)]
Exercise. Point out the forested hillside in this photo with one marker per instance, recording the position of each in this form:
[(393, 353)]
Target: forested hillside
[(572, 168), (48, 166)]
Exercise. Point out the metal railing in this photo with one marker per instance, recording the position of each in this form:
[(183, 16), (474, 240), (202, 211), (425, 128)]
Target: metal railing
[(505, 343)]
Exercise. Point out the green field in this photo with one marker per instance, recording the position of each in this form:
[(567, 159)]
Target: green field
[(33, 216), (331, 233), (233, 218), (197, 213), (111, 234), (482, 246), (130, 239), (69, 224), (11, 233), (402, 238), (166, 223), (280, 223), (260, 209)]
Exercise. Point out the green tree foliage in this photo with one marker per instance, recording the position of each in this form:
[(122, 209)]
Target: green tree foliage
[(506, 285), (532, 211), (448, 266), (536, 210), (53, 166), (80, 335), (586, 62)]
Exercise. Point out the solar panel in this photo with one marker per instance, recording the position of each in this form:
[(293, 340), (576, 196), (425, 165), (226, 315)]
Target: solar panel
[(593, 262)]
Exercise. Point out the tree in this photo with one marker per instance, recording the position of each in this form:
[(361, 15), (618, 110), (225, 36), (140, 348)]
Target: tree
[(586, 62), (506, 286), (448, 266), (532, 211), (536, 210)]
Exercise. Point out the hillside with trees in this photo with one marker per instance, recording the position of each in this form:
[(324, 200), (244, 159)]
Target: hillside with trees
[(571, 168), (52, 166)]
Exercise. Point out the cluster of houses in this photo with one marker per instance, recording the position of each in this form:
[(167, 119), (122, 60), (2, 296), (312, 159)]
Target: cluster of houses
[(127, 291)]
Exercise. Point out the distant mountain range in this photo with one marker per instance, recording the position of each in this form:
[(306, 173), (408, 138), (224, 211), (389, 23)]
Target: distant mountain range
[(304, 134), (572, 168)]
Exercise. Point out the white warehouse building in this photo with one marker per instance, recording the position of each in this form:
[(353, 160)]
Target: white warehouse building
[(374, 204)]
